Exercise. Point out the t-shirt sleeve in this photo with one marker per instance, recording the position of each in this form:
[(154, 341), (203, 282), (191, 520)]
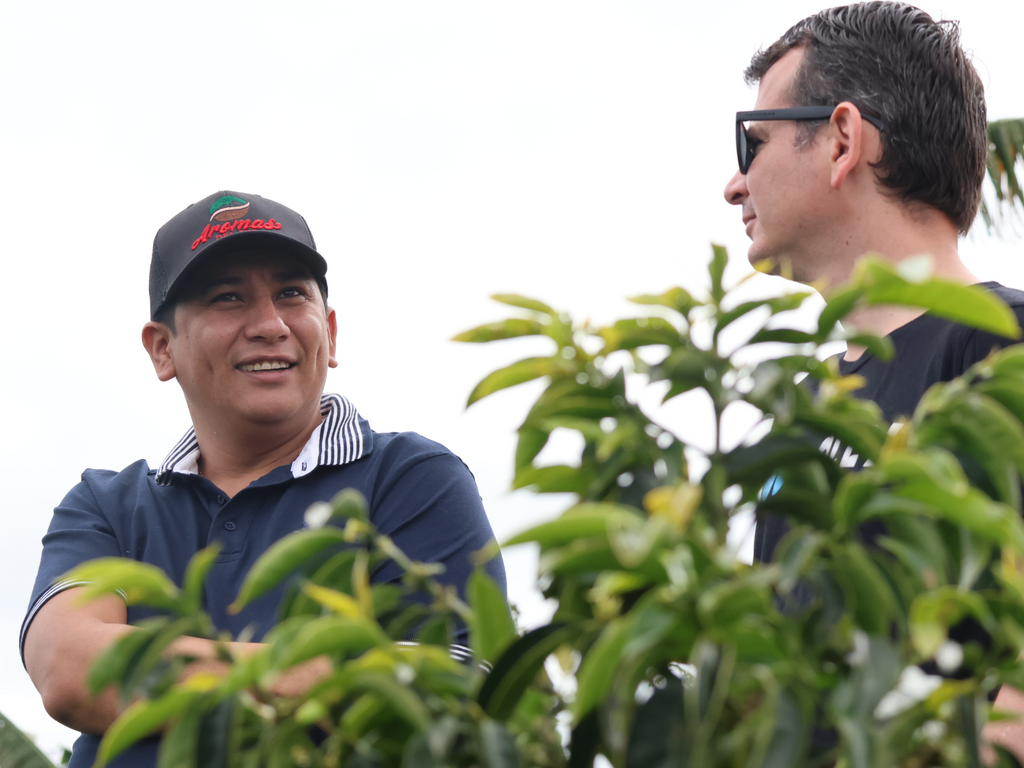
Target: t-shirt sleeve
[(981, 344), (432, 510), (79, 531)]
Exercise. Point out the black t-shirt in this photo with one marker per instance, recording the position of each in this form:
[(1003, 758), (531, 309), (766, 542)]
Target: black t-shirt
[(927, 350)]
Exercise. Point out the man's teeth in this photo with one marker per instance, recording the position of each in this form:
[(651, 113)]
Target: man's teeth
[(275, 366)]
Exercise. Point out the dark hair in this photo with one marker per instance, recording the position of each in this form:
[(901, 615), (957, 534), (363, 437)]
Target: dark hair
[(165, 314), (897, 64)]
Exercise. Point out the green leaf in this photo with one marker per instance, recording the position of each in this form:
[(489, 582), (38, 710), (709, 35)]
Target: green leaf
[(497, 747), (556, 479), (1007, 362), (505, 329), (523, 302), (402, 701), (789, 737), (1006, 151), (492, 628), (17, 750), (331, 635), (986, 431), (839, 305), (858, 695), (580, 522), (1009, 392), (195, 576), (215, 736), (589, 428), (179, 747), (417, 753), (719, 260), (517, 668), (879, 346), (970, 728), (525, 370), (658, 738), (138, 583), (141, 720), (634, 333), (784, 335), (874, 602), (152, 657), (282, 559), (336, 572), (971, 305), (632, 538), (599, 666), (776, 305), (350, 504), (531, 442), (675, 298), (113, 665), (996, 522), (857, 741), (722, 605), (932, 614), (763, 459)]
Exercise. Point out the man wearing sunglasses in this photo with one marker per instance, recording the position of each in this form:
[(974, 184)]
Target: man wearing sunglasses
[(869, 134)]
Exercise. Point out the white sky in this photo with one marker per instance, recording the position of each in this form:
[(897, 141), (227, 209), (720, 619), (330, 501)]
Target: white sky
[(441, 152)]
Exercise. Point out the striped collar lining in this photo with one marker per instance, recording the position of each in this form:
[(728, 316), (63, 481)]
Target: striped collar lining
[(342, 437)]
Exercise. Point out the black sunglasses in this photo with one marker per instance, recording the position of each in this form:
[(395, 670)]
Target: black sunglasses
[(746, 145)]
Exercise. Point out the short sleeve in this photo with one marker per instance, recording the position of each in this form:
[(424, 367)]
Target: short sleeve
[(431, 508), (79, 531)]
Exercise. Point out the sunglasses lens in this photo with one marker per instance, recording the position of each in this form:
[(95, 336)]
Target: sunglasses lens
[(741, 146), (748, 155), (744, 148)]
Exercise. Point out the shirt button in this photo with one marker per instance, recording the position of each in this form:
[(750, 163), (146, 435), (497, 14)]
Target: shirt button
[(222, 500), (230, 526)]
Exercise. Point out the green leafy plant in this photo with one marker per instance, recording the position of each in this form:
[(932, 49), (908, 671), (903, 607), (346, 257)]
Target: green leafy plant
[(1005, 154), (17, 750), (680, 654), (689, 657), (387, 701)]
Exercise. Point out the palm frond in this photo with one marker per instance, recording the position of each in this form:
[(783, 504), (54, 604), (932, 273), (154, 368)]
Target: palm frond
[(1005, 153), (17, 750)]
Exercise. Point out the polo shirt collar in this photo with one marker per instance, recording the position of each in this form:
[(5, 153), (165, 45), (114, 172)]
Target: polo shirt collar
[(342, 437)]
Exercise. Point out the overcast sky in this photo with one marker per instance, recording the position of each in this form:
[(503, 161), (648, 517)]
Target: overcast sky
[(441, 152)]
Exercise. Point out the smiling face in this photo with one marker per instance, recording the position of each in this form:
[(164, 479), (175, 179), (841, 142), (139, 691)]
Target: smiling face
[(252, 343), (785, 196)]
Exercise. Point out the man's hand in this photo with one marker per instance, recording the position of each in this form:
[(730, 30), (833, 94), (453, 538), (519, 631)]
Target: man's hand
[(1008, 734)]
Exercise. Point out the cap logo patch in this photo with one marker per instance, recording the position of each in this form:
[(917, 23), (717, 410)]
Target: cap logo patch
[(228, 208), (228, 212)]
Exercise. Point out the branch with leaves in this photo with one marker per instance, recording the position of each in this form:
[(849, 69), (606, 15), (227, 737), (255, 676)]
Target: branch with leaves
[(1005, 161)]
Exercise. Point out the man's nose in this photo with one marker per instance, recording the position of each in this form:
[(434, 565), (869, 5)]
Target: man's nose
[(264, 321), (736, 189)]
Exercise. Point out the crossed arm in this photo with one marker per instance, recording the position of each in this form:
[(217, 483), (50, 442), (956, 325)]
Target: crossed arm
[(65, 639)]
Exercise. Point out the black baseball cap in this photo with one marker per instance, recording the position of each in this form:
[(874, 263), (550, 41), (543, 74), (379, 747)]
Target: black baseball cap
[(225, 222)]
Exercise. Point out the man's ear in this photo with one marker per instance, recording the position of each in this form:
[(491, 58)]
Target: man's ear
[(332, 330), (156, 338), (846, 142)]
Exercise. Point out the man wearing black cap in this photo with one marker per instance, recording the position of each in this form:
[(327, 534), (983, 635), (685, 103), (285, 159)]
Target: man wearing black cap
[(239, 317)]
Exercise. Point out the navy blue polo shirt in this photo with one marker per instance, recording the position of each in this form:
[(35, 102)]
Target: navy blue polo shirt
[(419, 493)]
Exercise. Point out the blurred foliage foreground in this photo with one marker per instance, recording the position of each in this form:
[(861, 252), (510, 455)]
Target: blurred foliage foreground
[(674, 653)]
